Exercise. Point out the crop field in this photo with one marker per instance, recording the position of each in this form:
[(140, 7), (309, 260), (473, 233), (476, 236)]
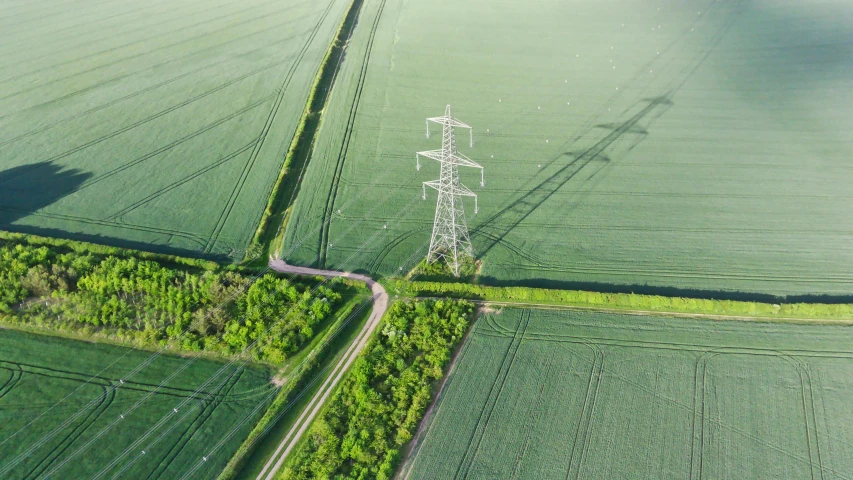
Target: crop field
[(697, 145), (551, 394), (84, 436), (159, 125)]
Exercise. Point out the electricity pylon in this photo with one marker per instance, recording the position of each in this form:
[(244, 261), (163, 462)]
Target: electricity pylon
[(450, 240)]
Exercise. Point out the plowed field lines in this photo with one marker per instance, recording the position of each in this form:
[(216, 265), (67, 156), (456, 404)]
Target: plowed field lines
[(715, 397)]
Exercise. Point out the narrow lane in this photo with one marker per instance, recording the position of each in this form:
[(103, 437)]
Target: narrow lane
[(380, 304)]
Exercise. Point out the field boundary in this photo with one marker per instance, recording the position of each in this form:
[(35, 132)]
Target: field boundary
[(302, 144), (244, 174), (629, 303), (339, 163)]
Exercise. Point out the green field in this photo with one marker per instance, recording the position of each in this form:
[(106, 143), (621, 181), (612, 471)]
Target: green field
[(36, 372), (159, 125), (698, 146), (551, 394)]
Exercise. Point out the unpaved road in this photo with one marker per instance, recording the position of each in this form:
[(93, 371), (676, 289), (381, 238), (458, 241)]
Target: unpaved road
[(380, 304)]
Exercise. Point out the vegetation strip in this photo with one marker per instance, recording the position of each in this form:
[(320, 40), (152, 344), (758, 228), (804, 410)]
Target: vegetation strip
[(379, 404), (300, 380), (272, 224), (625, 301), (121, 298)]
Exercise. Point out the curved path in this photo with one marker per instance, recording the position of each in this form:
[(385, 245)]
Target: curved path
[(380, 304)]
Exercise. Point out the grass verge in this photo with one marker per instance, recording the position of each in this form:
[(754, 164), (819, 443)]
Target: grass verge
[(270, 230), (803, 312)]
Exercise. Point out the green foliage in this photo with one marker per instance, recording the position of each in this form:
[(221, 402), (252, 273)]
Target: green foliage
[(148, 303), (626, 301), (384, 395), (438, 271)]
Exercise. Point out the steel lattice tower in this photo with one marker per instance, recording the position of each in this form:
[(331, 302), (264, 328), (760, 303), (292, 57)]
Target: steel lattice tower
[(450, 240)]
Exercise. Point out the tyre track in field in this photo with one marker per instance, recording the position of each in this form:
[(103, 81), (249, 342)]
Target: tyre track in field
[(198, 422), (348, 132), (230, 26), (147, 69), (91, 26), (238, 187), (535, 415), (698, 400), (377, 260), (684, 274), (699, 407), (809, 415), (53, 455), (148, 89), (99, 380), (180, 182), (536, 261), (169, 146), (584, 428), (698, 438), (140, 228), (473, 447), (43, 17), (88, 25), (15, 377), (115, 133)]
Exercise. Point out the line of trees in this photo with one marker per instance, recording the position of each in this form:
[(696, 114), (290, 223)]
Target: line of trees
[(380, 402), (145, 302)]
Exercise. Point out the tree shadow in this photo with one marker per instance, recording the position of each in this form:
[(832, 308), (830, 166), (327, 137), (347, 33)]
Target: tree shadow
[(22, 195), (646, 289), (26, 189)]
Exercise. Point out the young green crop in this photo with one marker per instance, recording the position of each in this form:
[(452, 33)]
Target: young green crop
[(679, 149), (38, 372), (161, 127), (555, 394)]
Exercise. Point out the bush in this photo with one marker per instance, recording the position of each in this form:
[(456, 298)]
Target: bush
[(109, 292), (382, 399)]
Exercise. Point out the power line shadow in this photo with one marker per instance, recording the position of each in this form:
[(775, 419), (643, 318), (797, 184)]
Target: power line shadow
[(495, 228)]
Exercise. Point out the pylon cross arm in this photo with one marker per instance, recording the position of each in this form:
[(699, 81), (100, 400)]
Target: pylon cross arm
[(449, 121), (455, 190), (433, 154), (436, 184), (462, 160)]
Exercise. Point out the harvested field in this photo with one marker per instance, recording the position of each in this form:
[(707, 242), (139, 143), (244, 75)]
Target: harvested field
[(564, 394), (695, 148), (84, 435), (160, 125)]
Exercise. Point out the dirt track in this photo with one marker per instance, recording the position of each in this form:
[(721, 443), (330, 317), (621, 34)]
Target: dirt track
[(380, 304)]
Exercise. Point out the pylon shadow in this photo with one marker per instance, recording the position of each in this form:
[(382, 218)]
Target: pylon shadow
[(494, 229)]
